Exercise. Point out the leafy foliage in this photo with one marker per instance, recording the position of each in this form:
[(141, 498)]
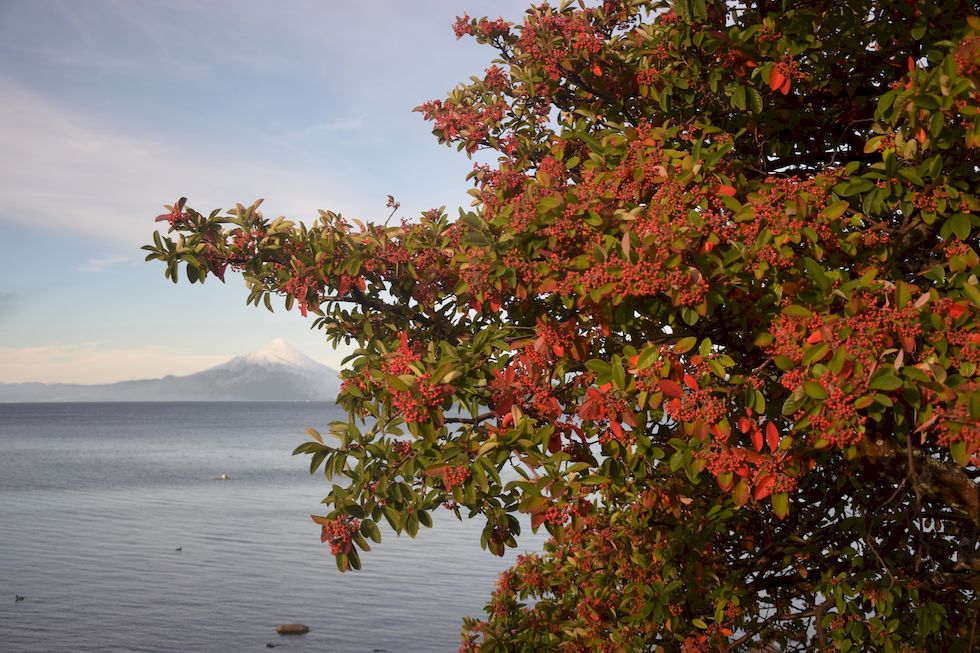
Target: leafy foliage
[(716, 304)]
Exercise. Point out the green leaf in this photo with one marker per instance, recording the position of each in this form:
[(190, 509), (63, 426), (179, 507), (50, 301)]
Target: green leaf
[(738, 98), (960, 225), (958, 451), (794, 310), (370, 529), (755, 99), (885, 381), (912, 175), (816, 273), (780, 504), (814, 390), (835, 210)]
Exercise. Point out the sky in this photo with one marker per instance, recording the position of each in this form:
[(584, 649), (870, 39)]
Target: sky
[(112, 108)]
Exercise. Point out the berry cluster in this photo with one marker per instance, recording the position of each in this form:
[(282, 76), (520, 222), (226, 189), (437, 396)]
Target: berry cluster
[(482, 28), (550, 39), (556, 516), (339, 533), (453, 476)]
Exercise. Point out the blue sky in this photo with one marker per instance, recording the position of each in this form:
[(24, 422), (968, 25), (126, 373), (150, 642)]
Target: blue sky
[(112, 108)]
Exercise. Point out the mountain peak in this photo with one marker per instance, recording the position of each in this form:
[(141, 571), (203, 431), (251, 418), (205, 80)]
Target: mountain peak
[(281, 352)]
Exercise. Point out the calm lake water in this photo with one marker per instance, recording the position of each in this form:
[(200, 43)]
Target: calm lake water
[(96, 498)]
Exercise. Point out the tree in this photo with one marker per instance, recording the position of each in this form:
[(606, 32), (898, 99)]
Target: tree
[(716, 303)]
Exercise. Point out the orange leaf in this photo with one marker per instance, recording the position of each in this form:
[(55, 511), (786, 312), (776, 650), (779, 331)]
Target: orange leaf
[(617, 428), (815, 337), (597, 70), (744, 425), (776, 80), (726, 190), (784, 89)]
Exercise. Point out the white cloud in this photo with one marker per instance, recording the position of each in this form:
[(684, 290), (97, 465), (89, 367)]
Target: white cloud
[(96, 363)]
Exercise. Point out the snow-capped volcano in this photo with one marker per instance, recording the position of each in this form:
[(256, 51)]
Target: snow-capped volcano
[(276, 372), (277, 352)]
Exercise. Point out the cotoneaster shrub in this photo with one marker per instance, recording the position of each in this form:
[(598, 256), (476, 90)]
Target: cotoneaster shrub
[(716, 302)]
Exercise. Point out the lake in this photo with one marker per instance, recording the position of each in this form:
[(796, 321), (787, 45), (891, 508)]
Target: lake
[(95, 499)]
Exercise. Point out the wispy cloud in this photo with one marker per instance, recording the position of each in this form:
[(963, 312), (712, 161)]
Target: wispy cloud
[(96, 363), (67, 174), (100, 264)]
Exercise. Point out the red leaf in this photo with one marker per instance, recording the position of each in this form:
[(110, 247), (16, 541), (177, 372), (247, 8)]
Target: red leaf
[(764, 486), (784, 89), (554, 444), (757, 439), (726, 190), (596, 70), (537, 520), (772, 436), (670, 388), (744, 425), (690, 382), (814, 338)]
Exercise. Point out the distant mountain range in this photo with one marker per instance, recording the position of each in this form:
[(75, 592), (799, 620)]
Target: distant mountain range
[(277, 372)]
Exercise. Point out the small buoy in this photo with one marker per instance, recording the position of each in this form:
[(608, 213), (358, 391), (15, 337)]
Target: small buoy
[(292, 629), (179, 549), (224, 477), (18, 597), (271, 645)]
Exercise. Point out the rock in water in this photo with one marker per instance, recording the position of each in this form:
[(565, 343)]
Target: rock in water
[(292, 629)]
